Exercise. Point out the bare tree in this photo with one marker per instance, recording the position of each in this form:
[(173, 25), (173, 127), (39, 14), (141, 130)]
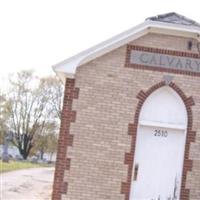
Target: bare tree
[(27, 105), (34, 104)]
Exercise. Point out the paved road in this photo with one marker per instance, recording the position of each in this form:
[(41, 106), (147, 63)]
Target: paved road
[(28, 184)]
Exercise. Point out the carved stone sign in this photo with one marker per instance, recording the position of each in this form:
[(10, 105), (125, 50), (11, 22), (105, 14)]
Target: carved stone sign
[(165, 61)]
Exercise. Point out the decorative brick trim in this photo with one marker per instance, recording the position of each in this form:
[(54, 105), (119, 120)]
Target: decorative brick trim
[(132, 130), (68, 163), (64, 188), (160, 51), (190, 101), (125, 188), (65, 140)]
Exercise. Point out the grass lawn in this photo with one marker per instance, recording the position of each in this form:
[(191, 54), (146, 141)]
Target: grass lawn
[(15, 165)]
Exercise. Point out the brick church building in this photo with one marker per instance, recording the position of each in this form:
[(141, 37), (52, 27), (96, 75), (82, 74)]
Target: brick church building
[(130, 126)]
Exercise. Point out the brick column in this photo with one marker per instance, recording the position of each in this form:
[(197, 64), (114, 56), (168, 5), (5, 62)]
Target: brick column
[(65, 140)]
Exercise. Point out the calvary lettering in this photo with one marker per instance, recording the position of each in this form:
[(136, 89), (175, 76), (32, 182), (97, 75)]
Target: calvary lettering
[(166, 61)]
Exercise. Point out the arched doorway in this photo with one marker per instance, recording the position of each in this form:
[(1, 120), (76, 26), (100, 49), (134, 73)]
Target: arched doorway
[(160, 145)]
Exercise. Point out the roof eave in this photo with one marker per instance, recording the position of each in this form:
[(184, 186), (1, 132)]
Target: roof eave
[(67, 68)]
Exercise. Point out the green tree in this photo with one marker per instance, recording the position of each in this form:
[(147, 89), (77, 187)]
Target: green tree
[(52, 144), (4, 116), (55, 90), (46, 140)]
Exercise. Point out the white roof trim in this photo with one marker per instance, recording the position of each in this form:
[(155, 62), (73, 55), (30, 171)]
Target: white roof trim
[(67, 68)]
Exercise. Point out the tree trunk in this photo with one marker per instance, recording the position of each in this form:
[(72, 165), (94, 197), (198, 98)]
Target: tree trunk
[(24, 152)]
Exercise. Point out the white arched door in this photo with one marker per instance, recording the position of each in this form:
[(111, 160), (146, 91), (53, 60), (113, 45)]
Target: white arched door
[(160, 144)]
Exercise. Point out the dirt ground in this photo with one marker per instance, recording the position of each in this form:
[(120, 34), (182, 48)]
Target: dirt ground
[(28, 184)]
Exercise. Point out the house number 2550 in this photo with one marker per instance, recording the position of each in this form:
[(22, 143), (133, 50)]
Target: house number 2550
[(160, 133)]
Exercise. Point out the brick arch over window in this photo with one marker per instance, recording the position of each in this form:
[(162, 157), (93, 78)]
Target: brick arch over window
[(132, 131)]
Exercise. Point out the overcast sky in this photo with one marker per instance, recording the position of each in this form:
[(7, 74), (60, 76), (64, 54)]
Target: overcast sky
[(35, 34)]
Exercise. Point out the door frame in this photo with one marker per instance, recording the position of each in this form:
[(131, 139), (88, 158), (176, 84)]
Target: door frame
[(133, 129)]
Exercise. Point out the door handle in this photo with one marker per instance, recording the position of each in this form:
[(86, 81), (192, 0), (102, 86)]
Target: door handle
[(136, 168)]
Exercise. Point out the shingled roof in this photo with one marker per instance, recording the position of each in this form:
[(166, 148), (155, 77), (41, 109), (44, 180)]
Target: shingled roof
[(174, 18)]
